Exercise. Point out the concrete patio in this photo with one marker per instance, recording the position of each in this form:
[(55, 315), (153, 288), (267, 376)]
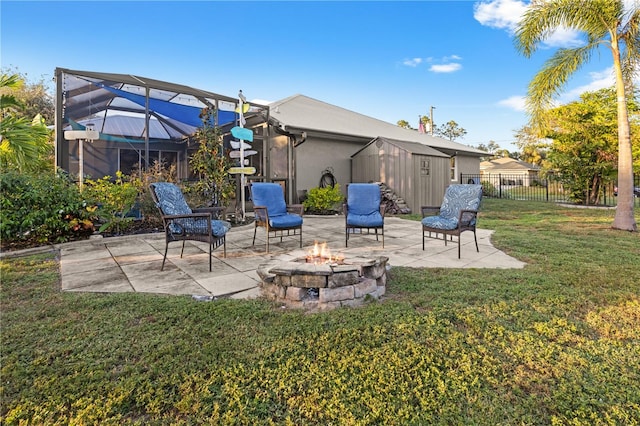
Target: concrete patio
[(132, 263)]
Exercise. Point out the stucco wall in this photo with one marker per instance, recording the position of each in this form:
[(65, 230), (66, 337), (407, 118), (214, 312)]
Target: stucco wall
[(316, 154)]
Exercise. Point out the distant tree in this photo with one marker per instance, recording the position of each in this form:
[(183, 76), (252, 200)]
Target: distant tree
[(450, 130), (34, 96), (501, 153), (584, 143), (25, 143), (533, 149), (605, 23), (404, 124)]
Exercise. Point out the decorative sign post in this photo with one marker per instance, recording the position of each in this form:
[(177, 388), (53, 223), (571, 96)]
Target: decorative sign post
[(88, 134), (244, 135)]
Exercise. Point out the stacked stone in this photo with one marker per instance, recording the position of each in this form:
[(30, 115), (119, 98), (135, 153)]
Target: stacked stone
[(332, 286)]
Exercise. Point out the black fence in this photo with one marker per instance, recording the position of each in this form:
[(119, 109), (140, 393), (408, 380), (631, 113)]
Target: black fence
[(530, 186)]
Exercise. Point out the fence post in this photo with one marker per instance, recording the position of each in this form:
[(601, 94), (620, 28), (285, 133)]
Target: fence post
[(546, 186), (500, 184)]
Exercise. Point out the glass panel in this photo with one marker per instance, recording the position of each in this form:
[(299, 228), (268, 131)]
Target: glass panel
[(129, 161)]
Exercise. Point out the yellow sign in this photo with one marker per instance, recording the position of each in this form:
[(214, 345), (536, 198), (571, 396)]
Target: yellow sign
[(245, 170)]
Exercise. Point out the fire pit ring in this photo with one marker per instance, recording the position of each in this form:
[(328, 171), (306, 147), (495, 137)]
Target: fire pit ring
[(298, 283)]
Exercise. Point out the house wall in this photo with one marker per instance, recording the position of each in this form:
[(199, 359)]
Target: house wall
[(467, 165), (316, 154)]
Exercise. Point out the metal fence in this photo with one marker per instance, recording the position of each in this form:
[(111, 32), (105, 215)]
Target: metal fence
[(533, 187)]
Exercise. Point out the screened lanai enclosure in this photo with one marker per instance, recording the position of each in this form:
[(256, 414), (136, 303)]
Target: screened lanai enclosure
[(140, 121)]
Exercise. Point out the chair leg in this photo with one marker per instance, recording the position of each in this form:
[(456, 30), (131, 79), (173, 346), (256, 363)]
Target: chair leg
[(255, 229), (458, 245), (474, 237), (166, 247), (300, 237), (210, 252), (182, 251), (346, 237), (382, 231), (423, 236)]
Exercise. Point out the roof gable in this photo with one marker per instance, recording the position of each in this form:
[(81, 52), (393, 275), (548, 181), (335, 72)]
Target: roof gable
[(507, 163), (299, 112), (410, 147)]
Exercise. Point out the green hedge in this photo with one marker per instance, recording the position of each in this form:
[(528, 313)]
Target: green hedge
[(39, 209)]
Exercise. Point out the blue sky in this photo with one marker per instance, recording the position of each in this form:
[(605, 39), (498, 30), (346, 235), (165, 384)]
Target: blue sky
[(388, 60)]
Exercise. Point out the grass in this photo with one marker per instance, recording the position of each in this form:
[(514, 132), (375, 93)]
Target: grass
[(555, 343)]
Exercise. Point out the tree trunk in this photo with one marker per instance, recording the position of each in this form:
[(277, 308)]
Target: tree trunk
[(624, 218)]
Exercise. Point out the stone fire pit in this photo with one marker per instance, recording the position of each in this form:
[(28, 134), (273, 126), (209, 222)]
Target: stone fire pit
[(303, 283)]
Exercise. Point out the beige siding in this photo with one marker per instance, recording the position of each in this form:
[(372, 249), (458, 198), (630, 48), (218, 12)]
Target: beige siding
[(316, 154), (402, 171), (467, 165)]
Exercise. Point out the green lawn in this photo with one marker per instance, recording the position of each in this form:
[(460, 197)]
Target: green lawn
[(555, 343)]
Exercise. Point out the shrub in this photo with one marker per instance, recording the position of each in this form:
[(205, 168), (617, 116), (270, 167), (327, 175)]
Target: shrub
[(323, 200), (159, 171), (43, 208), (114, 199)]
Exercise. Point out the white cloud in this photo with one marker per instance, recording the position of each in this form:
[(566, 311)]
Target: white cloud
[(260, 101), (501, 14), (452, 67), (563, 37), (517, 103), (599, 80), (414, 62), (506, 14)]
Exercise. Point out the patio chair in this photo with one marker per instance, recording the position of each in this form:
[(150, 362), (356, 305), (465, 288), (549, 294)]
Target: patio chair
[(363, 210), (272, 213), (457, 214), (181, 223)]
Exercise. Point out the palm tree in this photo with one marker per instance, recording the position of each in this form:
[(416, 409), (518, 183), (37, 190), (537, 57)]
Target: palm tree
[(23, 142), (605, 23)]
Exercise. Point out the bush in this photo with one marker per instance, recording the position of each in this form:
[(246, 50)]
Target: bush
[(114, 199), (44, 208), (323, 200)]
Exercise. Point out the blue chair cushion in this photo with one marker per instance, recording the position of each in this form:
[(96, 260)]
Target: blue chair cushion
[(269, 195), (285, 221), (372, 220), (460, 197), (438, 222), (219, 228), (456, 198), (171, 202), (170, 199), (363, 199)]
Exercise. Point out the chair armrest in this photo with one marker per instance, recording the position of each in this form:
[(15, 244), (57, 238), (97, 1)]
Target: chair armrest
[(261, 214), (383, 209), (430, 210), (296, 209), (186, 216), (201, 216), (467, 216), (215, 212)]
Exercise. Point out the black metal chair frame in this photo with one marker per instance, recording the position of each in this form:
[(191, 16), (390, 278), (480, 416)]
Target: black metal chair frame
[(262, 220), (205, 213), (467, 220), (352, 228)]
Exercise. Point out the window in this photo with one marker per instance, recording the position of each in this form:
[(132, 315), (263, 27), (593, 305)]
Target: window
[(453, 165), (131, 160), (424, 167)]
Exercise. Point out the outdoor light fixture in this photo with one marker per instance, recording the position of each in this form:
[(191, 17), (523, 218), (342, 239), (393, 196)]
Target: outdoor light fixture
[(88, 134)]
